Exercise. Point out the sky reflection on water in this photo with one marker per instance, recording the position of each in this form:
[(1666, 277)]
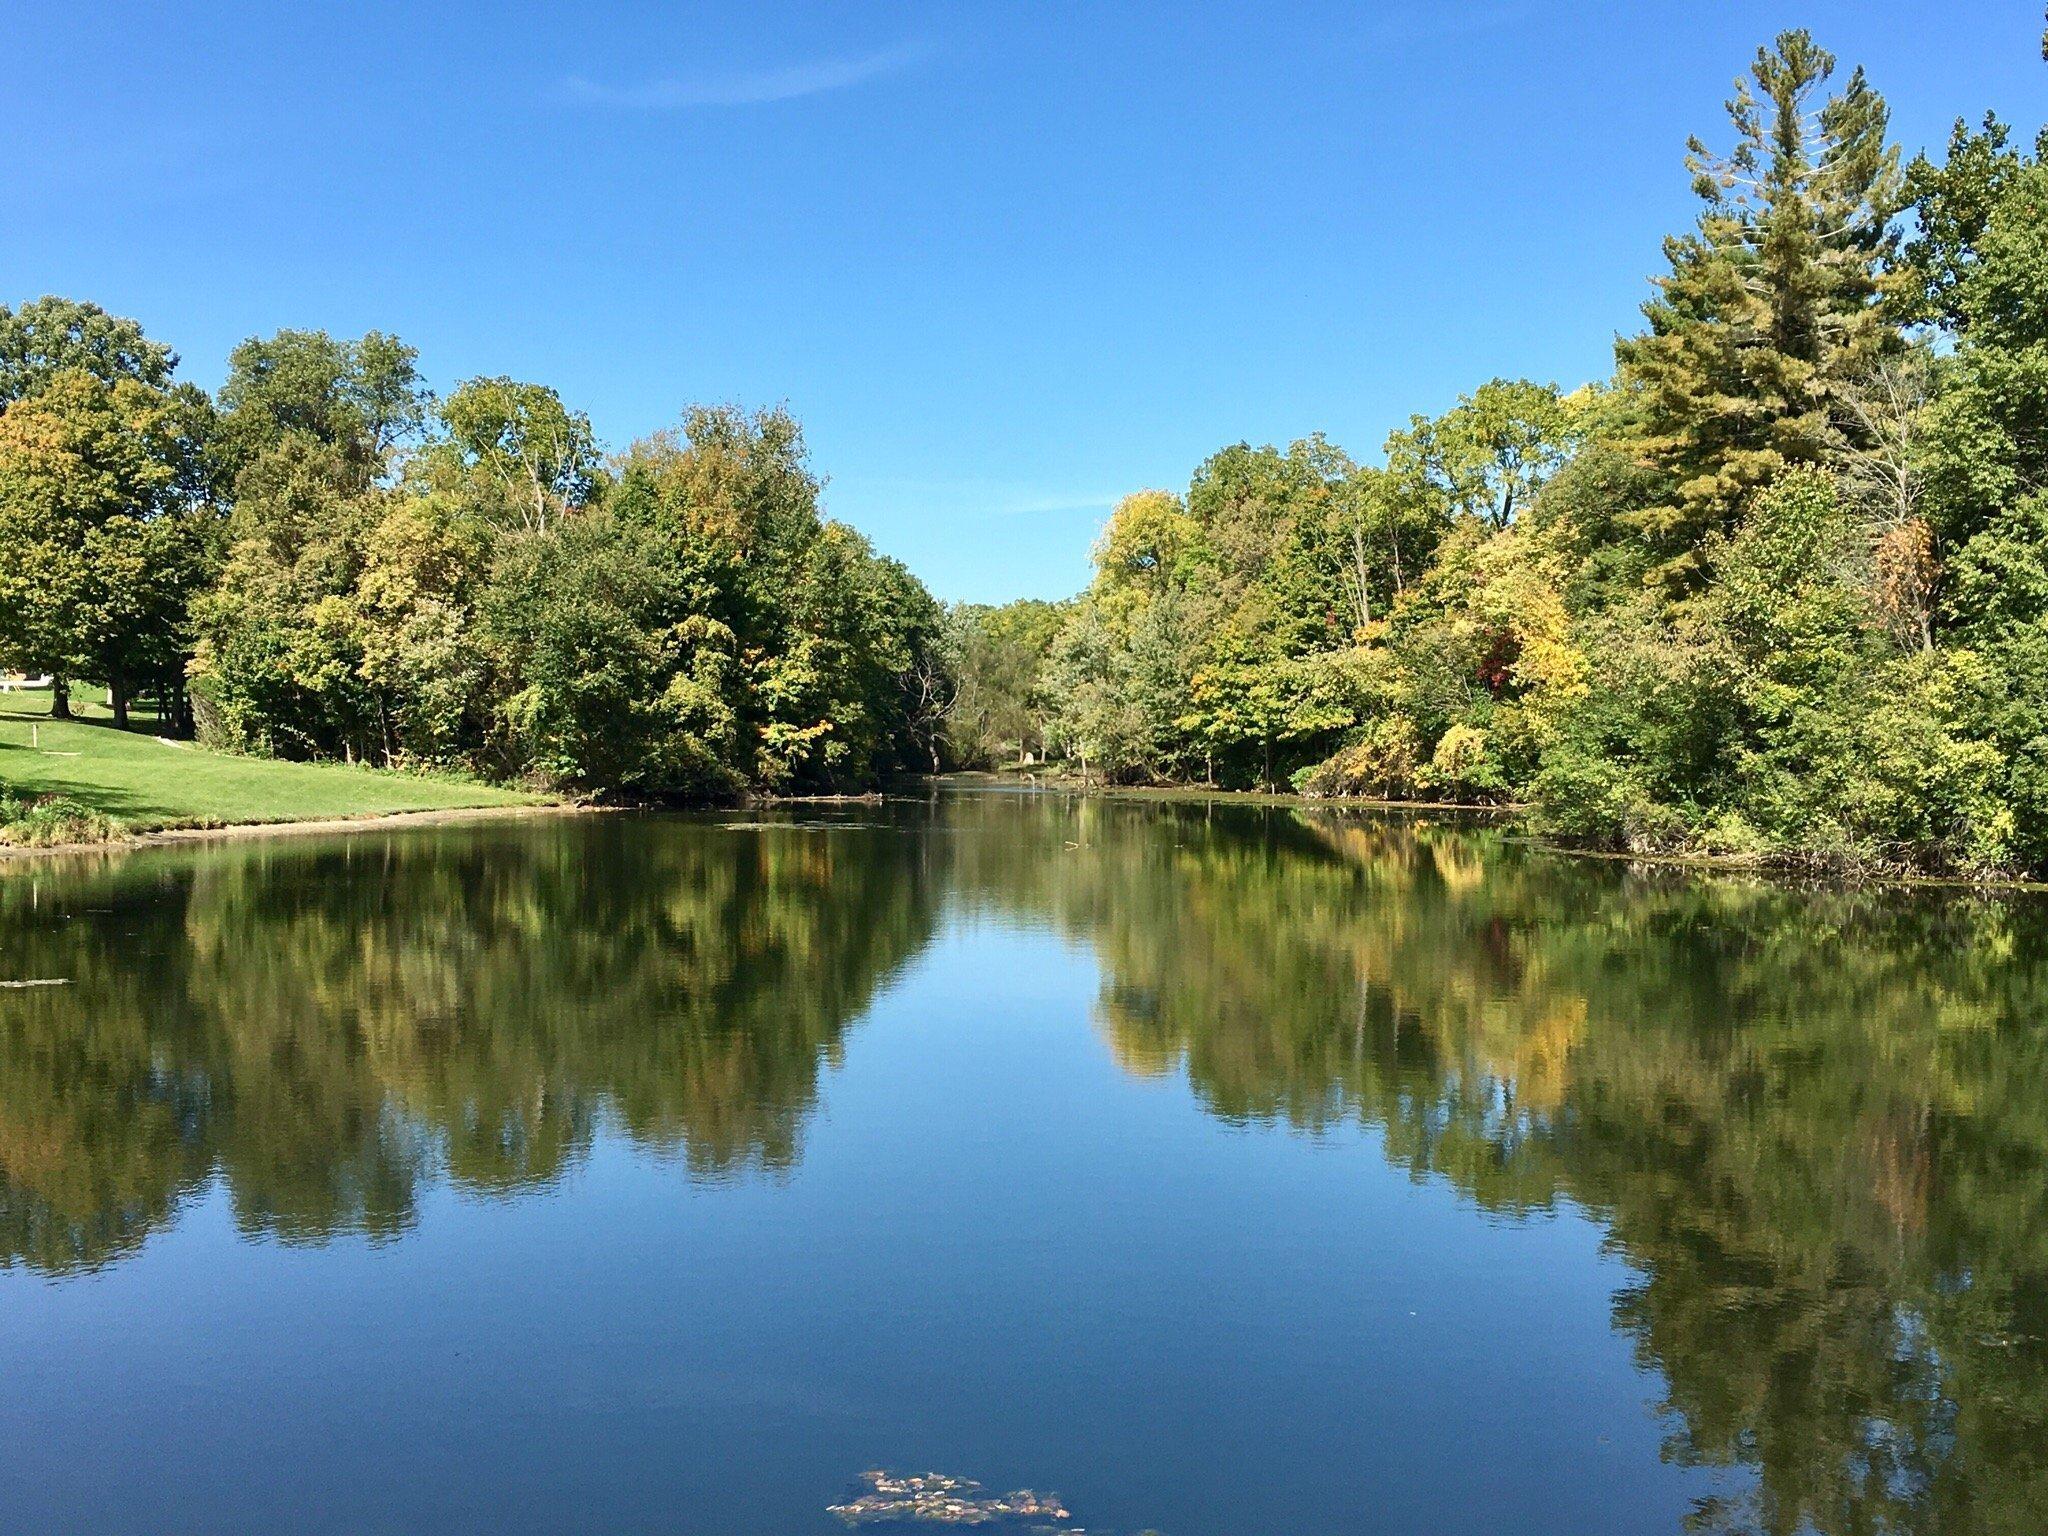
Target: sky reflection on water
[(1224, 1168)]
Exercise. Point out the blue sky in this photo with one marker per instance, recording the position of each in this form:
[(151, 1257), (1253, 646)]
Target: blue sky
[(1006, 261)]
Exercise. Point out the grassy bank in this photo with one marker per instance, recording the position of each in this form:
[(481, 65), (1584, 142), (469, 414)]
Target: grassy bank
[(85, 780)]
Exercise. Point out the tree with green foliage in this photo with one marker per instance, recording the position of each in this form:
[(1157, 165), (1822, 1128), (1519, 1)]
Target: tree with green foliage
[(101, 546), (1952, 200), (1774, 301), (1988, 433), (1490, 454), (618, 685), (835, 646), (1088, 719), (1377, 534), (524, 457), (997, 664), (50, 335), (364, 398), (277, 667)]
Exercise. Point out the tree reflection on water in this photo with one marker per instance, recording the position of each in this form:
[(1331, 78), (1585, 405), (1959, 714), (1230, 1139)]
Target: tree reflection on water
[(1814, 1123)]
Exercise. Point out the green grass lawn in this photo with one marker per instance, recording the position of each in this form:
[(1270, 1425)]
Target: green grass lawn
[(146, 783)]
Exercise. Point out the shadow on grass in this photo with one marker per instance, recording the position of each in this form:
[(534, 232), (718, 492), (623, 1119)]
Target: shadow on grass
[(32, 706), (136, 726), (39, 773)]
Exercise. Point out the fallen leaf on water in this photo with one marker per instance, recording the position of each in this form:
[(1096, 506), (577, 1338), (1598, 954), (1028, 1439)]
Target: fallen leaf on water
[(942, 1500)]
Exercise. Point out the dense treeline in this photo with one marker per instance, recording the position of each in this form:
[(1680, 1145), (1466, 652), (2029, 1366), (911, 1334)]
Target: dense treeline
[(327, 561), (1778, 588)]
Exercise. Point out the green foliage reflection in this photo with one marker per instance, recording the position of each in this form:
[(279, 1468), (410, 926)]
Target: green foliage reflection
[(326, 1029), (1813, 1123)]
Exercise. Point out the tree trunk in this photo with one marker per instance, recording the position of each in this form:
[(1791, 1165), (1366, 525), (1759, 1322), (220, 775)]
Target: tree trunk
[(117, 700), (1361, 575), (60, 698)]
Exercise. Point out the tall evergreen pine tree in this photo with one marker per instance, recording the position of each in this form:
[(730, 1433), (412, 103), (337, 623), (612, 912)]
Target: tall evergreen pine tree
[(1774, 300)]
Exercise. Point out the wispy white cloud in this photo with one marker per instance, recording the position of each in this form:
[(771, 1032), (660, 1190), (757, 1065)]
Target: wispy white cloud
[(1032, 506), (747, 88)]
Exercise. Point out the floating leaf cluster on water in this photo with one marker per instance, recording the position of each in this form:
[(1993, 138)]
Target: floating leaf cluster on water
[(942, 1500)]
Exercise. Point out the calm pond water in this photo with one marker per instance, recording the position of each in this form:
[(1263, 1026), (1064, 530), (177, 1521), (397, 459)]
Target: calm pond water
[(1225, 1169)]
